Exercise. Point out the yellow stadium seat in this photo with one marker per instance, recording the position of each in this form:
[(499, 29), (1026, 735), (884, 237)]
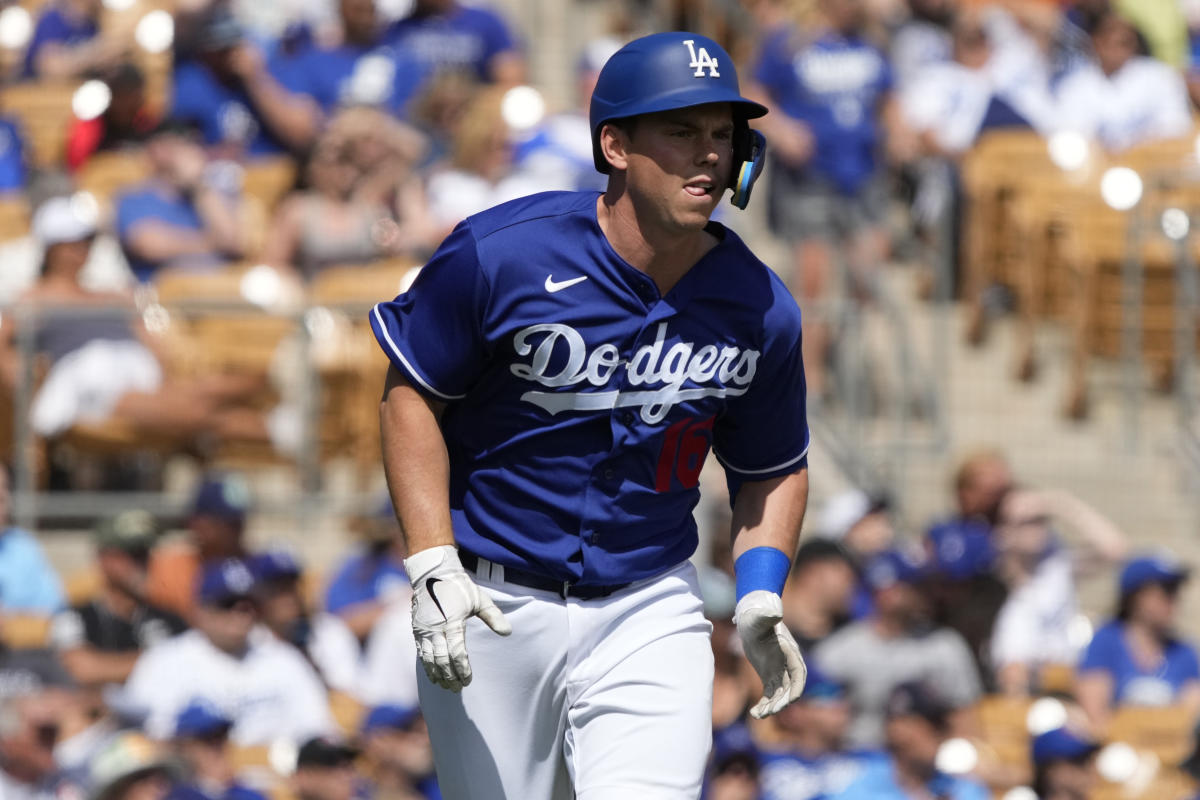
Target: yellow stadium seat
[(1166, 732), (83, 585), (268, 180), (347, 712), (25, 631), (14, 217), (106, 173), (44, 110), (1004, 728)]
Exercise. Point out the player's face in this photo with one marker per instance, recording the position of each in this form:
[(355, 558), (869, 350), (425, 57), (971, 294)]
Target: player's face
[(678, 165)]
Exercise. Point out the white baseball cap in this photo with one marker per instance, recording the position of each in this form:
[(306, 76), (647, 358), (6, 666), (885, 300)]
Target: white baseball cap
[(65, 219)]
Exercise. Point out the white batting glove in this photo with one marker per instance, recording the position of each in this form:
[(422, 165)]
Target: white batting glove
[(771, 650), (444, 597)]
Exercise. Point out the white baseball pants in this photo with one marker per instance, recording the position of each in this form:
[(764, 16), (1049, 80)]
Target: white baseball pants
[(607, 699)]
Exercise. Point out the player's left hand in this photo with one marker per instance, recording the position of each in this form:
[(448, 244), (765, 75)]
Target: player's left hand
[(771, 650)]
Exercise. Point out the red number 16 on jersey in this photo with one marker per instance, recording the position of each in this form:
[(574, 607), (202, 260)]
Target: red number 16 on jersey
[(685, 446)]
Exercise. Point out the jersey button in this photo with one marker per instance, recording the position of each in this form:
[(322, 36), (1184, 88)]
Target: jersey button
[(627, 417), (609, 474)]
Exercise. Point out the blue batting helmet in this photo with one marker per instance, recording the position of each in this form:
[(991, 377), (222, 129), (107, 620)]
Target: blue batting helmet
[(660, 72)]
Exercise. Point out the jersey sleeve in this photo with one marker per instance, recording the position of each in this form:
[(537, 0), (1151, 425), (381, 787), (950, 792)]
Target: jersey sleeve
[(764, 433), (433, 333)]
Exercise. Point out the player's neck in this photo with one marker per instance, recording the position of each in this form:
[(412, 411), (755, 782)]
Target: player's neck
[(665, 256)]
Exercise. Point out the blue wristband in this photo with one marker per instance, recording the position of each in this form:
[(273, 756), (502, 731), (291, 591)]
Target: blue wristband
[(761, 568)]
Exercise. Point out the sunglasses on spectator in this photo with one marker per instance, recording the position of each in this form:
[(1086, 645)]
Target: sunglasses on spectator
[(234, 603)]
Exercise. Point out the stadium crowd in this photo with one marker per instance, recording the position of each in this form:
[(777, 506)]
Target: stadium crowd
[(193, 666)]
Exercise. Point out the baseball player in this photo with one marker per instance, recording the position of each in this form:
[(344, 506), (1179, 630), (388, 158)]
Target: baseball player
[(560, 370)]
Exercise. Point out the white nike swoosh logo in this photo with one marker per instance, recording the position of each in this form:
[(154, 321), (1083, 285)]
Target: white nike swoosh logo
[(553, 286)]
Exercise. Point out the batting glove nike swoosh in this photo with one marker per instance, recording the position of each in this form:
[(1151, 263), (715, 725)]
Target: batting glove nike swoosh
[(771, 650), (444, 598)]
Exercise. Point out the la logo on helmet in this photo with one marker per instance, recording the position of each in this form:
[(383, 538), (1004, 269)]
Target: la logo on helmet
[(702, 61)]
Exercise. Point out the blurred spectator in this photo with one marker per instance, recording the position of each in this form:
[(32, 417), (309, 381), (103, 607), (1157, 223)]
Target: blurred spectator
[(829, 92), (481, 172), (1034, 627), (1162, 24), (1071, 44), (918, 722), (131, 767), (266, 687), (861, 524), (188, 214), (963, 543), (28, 583), (103, 363), (1136, 659), (228, 90), (438, 110), (897, 645), (28, 734), (325, 771), (923, 40), (14, 171), (819, 591), (734, 777), (126, 121), (322, 638), (802, 749), (390, 659), (397, 755), (371, 576), (202, 745), (1124, 97), (67, 42), (216, 532), (351, 213), (357, 68), (445, 35), (948, 105), (1064, 766), (559, 151), (99, 640)]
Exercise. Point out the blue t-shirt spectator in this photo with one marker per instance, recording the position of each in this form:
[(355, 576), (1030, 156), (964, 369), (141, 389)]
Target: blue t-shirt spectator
[(236, 791), (791, 776), (961, 548), (28, 583), (878, 782), (835, 85), (224, 113), (1134, 684), (13, 174), (350, 74), (152, 201), (463, 38), (364, 577), (56, 27)]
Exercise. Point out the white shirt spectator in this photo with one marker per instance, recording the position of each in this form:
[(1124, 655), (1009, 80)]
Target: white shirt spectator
[(455, 194), (1143, 101), (948, 100), (390, 668), (336, 653), (270, 693), (1033, 626), (916, 46)]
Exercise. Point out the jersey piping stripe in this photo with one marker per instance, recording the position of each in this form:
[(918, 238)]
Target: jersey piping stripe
[(407, 365), (784, 465)]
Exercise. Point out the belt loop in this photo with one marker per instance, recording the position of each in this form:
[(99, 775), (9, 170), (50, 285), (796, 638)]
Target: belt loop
[(566, 589), (498, 572), (483, 568)]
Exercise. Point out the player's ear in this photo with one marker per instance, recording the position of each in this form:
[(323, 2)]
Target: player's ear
[(614, 145)]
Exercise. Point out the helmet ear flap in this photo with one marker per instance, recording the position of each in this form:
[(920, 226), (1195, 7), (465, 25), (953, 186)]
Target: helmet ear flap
[(749, 156)]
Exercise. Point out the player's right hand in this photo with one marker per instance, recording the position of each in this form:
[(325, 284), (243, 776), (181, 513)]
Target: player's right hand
[(772, 651), (444, 597)]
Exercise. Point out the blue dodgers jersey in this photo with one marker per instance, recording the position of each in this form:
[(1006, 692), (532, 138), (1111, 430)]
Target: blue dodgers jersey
[(581, 404), (834, 85)]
